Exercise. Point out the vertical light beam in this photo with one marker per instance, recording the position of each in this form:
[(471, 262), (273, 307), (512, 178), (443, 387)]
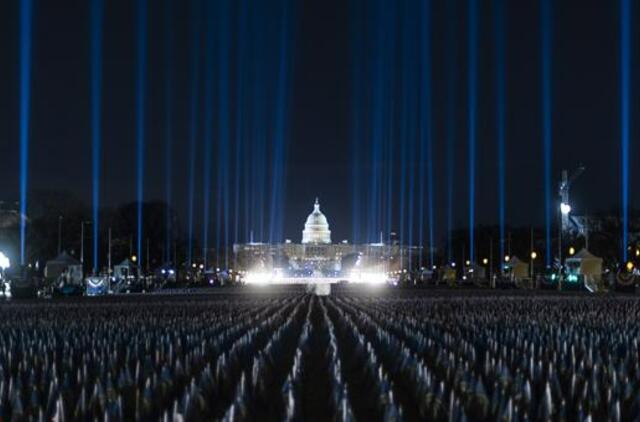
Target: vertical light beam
[(141, 74), (545, 16), (625, 87), (451, 121), (280, 127), (472, 116), (356, 123), (193, 128), (426, 156), (207, 129), (223, 123), (26, 15), (96, 117), (500, 114), (168, 126)]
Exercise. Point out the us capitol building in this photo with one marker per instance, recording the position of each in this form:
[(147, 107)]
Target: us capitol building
[(317, 257)]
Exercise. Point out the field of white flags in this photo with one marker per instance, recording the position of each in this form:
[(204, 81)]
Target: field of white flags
[(349, 356)]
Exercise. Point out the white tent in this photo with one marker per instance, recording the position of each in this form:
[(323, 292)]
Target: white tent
[(125, 270), (66, 266), (586, 264), (518, 269)]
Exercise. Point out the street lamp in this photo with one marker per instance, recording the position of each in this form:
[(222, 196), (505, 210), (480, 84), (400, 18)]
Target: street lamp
[(534, 255), (565, 208), (572, 250)]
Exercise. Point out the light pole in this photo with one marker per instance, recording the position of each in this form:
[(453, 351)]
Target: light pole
[(491, 281), (148, 257), (109, 256), (82, 223), (59, 234)]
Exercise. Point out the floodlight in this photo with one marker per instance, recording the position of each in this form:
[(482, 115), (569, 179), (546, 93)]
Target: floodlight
[(4, 262)]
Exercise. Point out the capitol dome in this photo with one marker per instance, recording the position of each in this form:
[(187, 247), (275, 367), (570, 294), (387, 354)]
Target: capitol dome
[(316, 229)]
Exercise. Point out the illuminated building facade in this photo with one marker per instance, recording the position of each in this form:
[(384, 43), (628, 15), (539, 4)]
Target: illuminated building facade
[(316, 257)]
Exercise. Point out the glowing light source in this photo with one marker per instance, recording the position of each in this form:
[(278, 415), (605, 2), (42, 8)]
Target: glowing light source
[(534, 255), (637, 252), (629, 266), (257, 277), (467, 262), (507, 258), (134, 258), (572, 250), (565, 208), (370, 277), (485, 261), (4, 262)]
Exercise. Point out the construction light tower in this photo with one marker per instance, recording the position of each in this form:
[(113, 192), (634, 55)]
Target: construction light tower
[(565, 205)]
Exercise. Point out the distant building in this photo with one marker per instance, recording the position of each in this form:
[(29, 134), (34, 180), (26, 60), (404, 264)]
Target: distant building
[(317, 257)]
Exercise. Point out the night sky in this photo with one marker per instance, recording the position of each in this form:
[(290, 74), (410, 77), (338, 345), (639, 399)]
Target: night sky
[(585, 86)]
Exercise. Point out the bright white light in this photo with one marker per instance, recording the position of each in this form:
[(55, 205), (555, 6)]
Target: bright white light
[(257, 278), (164, 271), (278, 276), (172, 272), (366, 277), (4, 262), (565, 208)]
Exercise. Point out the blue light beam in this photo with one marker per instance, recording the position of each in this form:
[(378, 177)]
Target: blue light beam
[(625, 88), (97, 10), (545, 17), (26, 16), (472, 118), (168, 126), (193, 126), (451, 121), (208, 129), (141, 80), (499, 41), (425, 131)]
